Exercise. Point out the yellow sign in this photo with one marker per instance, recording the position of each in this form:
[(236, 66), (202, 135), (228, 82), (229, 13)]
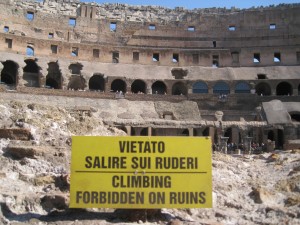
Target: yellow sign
[(141, 172)]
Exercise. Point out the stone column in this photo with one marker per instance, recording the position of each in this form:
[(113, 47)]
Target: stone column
[(128, 128), (149, 131), (191, 131)]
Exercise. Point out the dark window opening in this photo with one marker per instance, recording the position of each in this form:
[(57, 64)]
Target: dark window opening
[(74, 51), (72, 22), (175, 58), (215, 61), (6, 29), (9, 72), (242, 87), (155, 57), (195, 58), (113, 26), (221, 88), (272, 26), (231, 28), (8, 42), (191, 28), (295, 117), (54, 49), (75, 68), (256, 57), (144, 132), (136, 56), (277, 57), (96, 53), (31, 73), (214, 44), (179, 88), (29, 51), (159, 88), (261, 76), (51, 35), (263, 89), (152, 27), (30, 16), (97, 82), (284, 88), (200, 88), (138, 87), (115, 57), (53, 78), (118, 85)]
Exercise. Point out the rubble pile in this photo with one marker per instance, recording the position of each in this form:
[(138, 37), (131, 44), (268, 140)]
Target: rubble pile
[(35, 150)]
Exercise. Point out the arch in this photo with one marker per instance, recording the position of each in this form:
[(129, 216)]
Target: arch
[(200, 87), (75, 68), (9, 72), (31, 73), (97, 82), (221, 88), (185, 132), (263, 89), (284, 88), (76, 83), (159, 87), (54, 78), (242, 87), (30, 51), (179, 88), (118, 85), (138, 86), (295, 116)]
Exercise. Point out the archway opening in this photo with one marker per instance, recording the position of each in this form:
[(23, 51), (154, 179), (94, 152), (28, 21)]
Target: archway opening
[(263, 89), (9, 72), (76, 82), (118, 85), (31, 73), (221, 88), (75, 68), (185, 132), (295, 116), (284, 88), (179, 88), (138, 86), (242, 87), (200, 88), (54, 78), (159, 87), (97, 82)]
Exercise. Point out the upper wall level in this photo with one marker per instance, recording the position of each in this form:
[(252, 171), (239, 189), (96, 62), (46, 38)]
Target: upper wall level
[(154, 35)]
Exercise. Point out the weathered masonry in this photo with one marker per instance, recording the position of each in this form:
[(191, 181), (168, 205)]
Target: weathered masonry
[(237, 71)]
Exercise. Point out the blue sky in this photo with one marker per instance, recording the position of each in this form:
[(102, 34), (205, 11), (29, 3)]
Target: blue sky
[(191, 4)]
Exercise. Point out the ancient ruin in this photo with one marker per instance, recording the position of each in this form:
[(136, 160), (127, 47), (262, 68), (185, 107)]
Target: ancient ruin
[(230, 74)]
